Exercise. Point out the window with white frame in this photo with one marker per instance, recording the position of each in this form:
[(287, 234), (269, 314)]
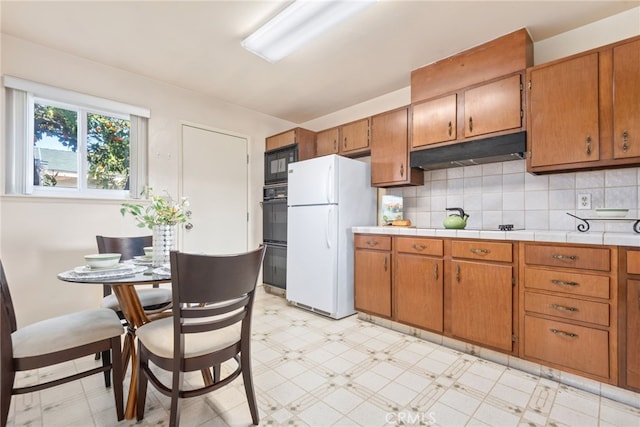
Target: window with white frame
[(66, 143)]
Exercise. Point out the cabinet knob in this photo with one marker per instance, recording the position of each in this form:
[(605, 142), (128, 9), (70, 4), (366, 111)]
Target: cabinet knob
[(567, 258), (563, 333), (402, 170), (450, 128), (588, 145), (345, 142), (470, 124), (480, 251), (625, 141), (563, 283), (188, 226), (563, 308)]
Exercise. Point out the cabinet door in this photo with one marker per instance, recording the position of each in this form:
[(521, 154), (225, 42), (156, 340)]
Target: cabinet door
[(482, 304), (373, 282), (626, 86), (434, 121), (354, 137), (327, 142), (418, 291), (493, 107), (633, 333), (281, 140), (563, 102)]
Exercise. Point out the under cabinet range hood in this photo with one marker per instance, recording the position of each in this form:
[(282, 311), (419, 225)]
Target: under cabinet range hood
[(480, 151)]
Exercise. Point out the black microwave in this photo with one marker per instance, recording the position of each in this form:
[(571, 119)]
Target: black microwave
[(276, 164)]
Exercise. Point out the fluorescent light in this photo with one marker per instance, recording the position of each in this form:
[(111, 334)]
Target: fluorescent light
[(297, 24)]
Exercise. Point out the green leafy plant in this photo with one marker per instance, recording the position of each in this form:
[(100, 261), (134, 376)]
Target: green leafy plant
[(160, 210)]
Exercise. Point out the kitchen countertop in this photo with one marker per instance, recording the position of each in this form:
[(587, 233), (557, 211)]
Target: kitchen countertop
[(590, 237)]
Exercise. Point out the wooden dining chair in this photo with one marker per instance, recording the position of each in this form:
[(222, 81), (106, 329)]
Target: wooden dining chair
[(211, 324), (153, 299), (56, 340)]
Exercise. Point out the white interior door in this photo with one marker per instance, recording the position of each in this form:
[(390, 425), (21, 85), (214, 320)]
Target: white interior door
[(214, 177)]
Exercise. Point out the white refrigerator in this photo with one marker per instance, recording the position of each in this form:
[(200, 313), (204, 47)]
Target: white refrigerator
[(327, 196)]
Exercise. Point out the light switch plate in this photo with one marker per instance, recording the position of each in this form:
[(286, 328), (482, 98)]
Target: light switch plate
[(584, 201)]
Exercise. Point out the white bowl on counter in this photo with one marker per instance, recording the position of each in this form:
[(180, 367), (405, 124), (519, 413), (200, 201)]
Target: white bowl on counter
[(611, 212)]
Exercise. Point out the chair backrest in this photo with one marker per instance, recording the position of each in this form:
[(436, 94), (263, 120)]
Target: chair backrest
[(129, 247), (7, 326), (6, 304), (212, 292)]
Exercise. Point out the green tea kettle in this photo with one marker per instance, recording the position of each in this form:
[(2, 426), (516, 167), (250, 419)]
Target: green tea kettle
[(456, 220)]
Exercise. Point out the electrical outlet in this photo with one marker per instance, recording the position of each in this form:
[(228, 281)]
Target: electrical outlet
[(584, 201)]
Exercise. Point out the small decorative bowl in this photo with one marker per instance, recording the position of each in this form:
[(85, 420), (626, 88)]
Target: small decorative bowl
[(148, 250), (612, 213), (102, 260)]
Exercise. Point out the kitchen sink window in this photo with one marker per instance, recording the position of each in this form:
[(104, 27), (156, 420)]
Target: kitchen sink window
[(62, 143)]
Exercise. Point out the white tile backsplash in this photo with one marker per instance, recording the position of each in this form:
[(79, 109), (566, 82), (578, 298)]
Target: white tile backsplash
[(504, 193)]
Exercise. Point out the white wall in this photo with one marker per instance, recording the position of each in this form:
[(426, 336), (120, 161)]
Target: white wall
[(41, 237)]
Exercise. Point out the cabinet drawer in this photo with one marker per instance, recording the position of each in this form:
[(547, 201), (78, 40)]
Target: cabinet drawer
[(482, 250), (567, 308), (414, 245), (588, 285), (633, 262), (568, 256), (369, 241), (575, 347)]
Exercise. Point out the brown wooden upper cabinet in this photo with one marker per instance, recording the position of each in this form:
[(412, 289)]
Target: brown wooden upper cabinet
[(327, 142), (390, 150), (478, 111), (305, 139), (350, 139), (583, 111), (474, 94)]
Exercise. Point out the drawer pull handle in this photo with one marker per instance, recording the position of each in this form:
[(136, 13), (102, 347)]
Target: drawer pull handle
[(563, 283), (451, 129), (568, 258), (435, 271), (480, 251), (563, 333), (563, 308), (385, 264), (419, 247), (458, 274), (588, 145), (372, 242), (625, 138)]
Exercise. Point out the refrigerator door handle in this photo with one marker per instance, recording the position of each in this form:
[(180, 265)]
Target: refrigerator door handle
[(330, 187), (326, 228)]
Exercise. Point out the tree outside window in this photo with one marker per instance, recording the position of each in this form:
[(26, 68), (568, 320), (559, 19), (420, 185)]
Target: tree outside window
[(58, 157)]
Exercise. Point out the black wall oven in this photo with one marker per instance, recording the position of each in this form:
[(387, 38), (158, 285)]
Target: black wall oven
[(274, 233), (276, 164)]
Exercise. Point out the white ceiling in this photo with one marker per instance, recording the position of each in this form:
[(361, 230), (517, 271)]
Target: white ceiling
[(196, 45)]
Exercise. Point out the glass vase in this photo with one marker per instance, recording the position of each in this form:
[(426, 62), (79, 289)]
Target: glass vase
[(163, 243)]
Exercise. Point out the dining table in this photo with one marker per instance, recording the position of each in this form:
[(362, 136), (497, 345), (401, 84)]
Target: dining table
[(123, 279)]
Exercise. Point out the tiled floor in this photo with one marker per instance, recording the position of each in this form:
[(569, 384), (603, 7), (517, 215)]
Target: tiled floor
[(313, 371)]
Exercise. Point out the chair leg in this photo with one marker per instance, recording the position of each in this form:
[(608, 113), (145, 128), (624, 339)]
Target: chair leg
[(6, 378), (118, 377), (216, 373), (142, 382), (106, 360), (245, 360), (176, 386)]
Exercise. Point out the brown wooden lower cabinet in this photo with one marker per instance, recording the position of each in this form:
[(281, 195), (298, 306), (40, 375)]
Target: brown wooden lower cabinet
[(372, 274), (418, 282), (569, 303), (573, 307), (630, 339)]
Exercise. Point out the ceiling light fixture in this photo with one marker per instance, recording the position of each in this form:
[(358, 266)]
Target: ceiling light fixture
[(297, 24)]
